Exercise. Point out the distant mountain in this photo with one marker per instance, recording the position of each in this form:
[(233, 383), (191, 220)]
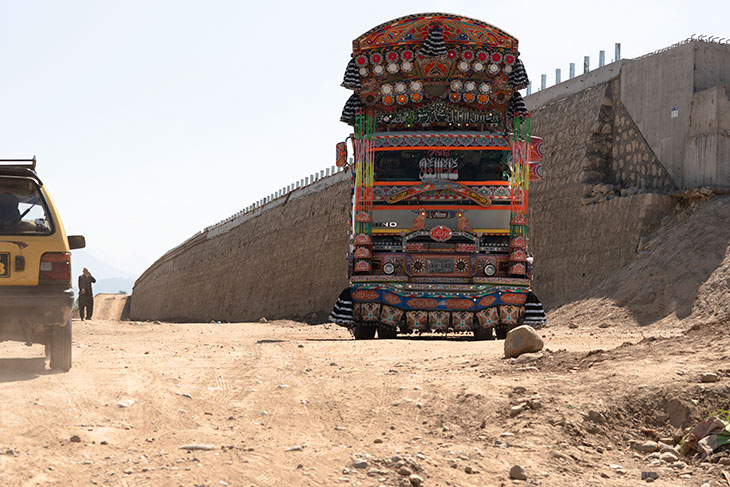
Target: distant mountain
[(109, 279)]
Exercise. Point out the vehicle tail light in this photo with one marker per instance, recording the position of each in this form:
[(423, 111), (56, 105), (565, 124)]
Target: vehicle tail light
[(55, 269)]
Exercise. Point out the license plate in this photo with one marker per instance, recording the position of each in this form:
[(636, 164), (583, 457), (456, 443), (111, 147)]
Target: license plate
[(439, 266), (4, 265)]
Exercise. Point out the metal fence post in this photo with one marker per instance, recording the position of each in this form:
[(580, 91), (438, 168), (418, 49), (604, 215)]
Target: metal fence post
[(601, 58), (557, 76), (586, 64), (572, 70)]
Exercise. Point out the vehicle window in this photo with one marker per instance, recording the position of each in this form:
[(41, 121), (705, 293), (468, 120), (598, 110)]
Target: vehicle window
[(453, 165), (23, 210)]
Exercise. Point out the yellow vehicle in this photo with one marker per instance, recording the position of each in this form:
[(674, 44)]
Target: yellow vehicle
[(36, 297)]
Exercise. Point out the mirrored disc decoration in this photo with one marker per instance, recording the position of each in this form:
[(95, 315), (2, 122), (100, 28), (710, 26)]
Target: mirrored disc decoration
[(496, 57), (463, 66), (508, 69), (483, 99), (379, 70), (376, 58), (478, 67), (406, 66), (510, 59), (453, 96), (470, 86), (393, 68), (407, 55), (456, 85), (493, 68), (386, 89), (467, 55), (416, 86), (416, 97), (469, 97), (388, 100), (485, 88), (361, 60), (482, 56), (392, 56), (400, 87), (402, 99), (452, 54), (364, 71)]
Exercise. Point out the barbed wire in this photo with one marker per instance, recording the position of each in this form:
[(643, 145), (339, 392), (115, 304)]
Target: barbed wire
[(692, 38)]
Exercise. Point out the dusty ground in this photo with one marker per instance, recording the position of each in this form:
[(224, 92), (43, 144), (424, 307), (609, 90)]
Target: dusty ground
[(285, 404)]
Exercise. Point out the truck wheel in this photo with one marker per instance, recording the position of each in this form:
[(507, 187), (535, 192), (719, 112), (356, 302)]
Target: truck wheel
[(60, 347), (387, 333), (363, 332), (501, 331), (483, 334)]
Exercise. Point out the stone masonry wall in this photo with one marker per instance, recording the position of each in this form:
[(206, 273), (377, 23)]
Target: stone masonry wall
[(604, 191), (286, 259), (595, 204)]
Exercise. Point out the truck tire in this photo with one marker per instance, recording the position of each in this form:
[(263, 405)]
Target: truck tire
[(60, 347), (501, 331), (386, 333), (483, 334), (363, 332)]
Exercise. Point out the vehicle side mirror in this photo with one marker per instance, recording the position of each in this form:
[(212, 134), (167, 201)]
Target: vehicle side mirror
[(341, 149), (76, 242)]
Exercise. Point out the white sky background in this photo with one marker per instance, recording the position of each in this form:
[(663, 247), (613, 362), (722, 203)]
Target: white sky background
[(153, 119)]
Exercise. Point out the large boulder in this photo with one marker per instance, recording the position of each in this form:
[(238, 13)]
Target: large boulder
[(523, 339)]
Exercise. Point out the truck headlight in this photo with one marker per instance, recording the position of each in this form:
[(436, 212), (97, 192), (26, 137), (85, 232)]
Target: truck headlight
[(388, 268), (490, 270)]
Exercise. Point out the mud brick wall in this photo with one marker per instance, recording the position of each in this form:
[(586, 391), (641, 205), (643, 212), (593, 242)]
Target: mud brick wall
[(286, 259), (604, 191)]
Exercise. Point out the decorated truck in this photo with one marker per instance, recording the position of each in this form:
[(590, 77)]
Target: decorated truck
[(442, 158)]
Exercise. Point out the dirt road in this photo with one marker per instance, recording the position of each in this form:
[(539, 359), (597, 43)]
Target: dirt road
[(285, 404)]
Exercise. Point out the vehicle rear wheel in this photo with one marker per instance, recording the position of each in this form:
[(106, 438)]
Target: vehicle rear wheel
[(501, 331), (483, 334), (363, 332), (60, 347), (387, 333)]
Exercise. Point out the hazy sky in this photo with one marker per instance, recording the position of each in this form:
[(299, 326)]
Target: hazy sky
[(153, 119)]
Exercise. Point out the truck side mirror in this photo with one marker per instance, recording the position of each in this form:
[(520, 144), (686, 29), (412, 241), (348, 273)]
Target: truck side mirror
[(76, 242), (341, 150)]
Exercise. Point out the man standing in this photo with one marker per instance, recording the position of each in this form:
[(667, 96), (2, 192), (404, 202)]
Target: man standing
[(86, 295)]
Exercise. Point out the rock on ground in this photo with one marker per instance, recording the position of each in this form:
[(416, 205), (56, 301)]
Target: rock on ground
[(523, 339)]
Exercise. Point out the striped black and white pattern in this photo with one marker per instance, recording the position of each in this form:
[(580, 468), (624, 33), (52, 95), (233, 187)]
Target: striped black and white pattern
[(342, 312), (434, 45), (516, 106), (352, 79), (518, 79), (352, 106), (534, 313)]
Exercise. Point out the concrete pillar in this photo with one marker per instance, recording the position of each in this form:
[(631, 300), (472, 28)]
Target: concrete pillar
[(543, 81), (557, 76), (601, 58), (617, 51), (572, 70), (586, 64)]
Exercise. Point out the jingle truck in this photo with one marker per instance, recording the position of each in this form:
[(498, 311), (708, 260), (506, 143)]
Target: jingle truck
[(442, 160)]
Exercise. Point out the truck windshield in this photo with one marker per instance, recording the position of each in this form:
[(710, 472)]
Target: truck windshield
[(22, 208), (446, 164)]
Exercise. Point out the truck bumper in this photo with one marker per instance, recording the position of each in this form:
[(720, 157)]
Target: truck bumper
[(440, 307)]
